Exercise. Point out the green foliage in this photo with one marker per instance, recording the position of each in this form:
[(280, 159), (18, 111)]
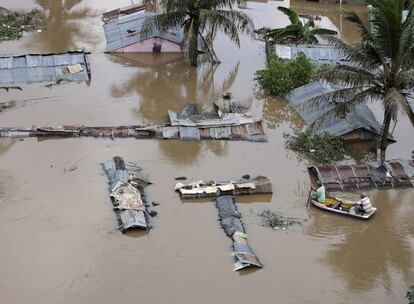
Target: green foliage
[(410, 295), (297, 32), (381, 64), (321, 148), (12, 24), (281, 76)]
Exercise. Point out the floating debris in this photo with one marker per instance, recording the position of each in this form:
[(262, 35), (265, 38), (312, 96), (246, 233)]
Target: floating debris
[(13, 24), (231, 223), (275, 220), (126, 186), (391, 174), (200, 189)]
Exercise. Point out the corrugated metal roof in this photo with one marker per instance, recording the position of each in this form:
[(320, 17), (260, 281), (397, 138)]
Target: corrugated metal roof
[(393, 173), (126, 30), (313, 52), (358, 117), (411, 103), (42, 68)]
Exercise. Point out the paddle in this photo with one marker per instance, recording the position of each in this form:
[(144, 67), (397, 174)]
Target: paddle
[(308, 202)]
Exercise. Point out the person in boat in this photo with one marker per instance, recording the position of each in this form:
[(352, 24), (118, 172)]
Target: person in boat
[(320, 193), (363, 205)]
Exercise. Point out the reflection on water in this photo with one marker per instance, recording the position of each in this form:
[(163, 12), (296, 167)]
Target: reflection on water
[(6, 144), (165, 82), (65, 30), (277, 112), (371, 251), (186, 153), (349, 32)]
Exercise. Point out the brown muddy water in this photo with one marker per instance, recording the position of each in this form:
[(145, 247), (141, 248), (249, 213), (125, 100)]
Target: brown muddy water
[(59, 242)]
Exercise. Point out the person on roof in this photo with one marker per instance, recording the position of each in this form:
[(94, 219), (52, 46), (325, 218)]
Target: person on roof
[(320, 193), (363, 205)]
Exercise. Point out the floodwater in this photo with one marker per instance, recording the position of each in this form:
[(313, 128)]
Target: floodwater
[(58, 236)]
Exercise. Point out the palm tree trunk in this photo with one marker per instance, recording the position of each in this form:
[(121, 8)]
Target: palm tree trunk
[(193, 47), (384, 135)]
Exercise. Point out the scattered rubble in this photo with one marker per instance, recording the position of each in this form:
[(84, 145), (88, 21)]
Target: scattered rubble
[(126, 186)]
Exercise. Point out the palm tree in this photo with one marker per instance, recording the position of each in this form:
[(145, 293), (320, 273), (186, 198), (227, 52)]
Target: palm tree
[(196, 17), (381, 65), (297, 32)]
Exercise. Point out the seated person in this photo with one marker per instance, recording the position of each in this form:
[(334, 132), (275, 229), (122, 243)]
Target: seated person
[(320, 194), (363, 205)]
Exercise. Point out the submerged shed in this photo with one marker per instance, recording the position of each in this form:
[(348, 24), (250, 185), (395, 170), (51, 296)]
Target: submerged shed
[(357, 124), (71, 66), (392, 174), (320, 54), (126, 186)]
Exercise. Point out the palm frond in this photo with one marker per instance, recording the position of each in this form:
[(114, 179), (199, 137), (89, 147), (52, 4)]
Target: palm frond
[(348, 99), (230, 22), (292, 15), (348, 75), (162, 23), (323, 31)]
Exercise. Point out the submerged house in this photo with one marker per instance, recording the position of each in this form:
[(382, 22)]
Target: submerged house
[(354, 125), (123, 29), (318, 54), (31, 68)]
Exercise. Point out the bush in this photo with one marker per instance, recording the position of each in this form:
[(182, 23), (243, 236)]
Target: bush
[(12, 24), (321, 148), (281, 76)]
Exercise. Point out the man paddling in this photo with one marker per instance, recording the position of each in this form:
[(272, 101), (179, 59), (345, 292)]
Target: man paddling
[(363, 205), (320, 193)]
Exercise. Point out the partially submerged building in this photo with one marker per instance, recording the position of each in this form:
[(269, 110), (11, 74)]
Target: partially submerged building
[(318, 54), (188, 125), (123, 32), (31, 68), (356, 124), (390, 174)]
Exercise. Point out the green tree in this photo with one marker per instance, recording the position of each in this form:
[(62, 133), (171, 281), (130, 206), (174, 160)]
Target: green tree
[(381, 65), (196, 17), (281, 76), (297, 32)]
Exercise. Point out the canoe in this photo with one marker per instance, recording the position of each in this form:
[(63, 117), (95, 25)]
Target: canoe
[(339, 206)]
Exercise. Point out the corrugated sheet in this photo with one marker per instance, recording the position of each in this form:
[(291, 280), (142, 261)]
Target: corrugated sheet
[(43, 68), (126, 30), (230, 220), (359, 117), (394, 173), (128, 198), (247, 132), (323, 54), (189, 133)]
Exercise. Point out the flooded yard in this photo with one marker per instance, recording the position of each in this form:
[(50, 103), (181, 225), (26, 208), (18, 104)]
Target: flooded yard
[(58, 236)]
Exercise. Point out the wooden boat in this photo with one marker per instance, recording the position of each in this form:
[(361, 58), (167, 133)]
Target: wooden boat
[(343, 207)]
